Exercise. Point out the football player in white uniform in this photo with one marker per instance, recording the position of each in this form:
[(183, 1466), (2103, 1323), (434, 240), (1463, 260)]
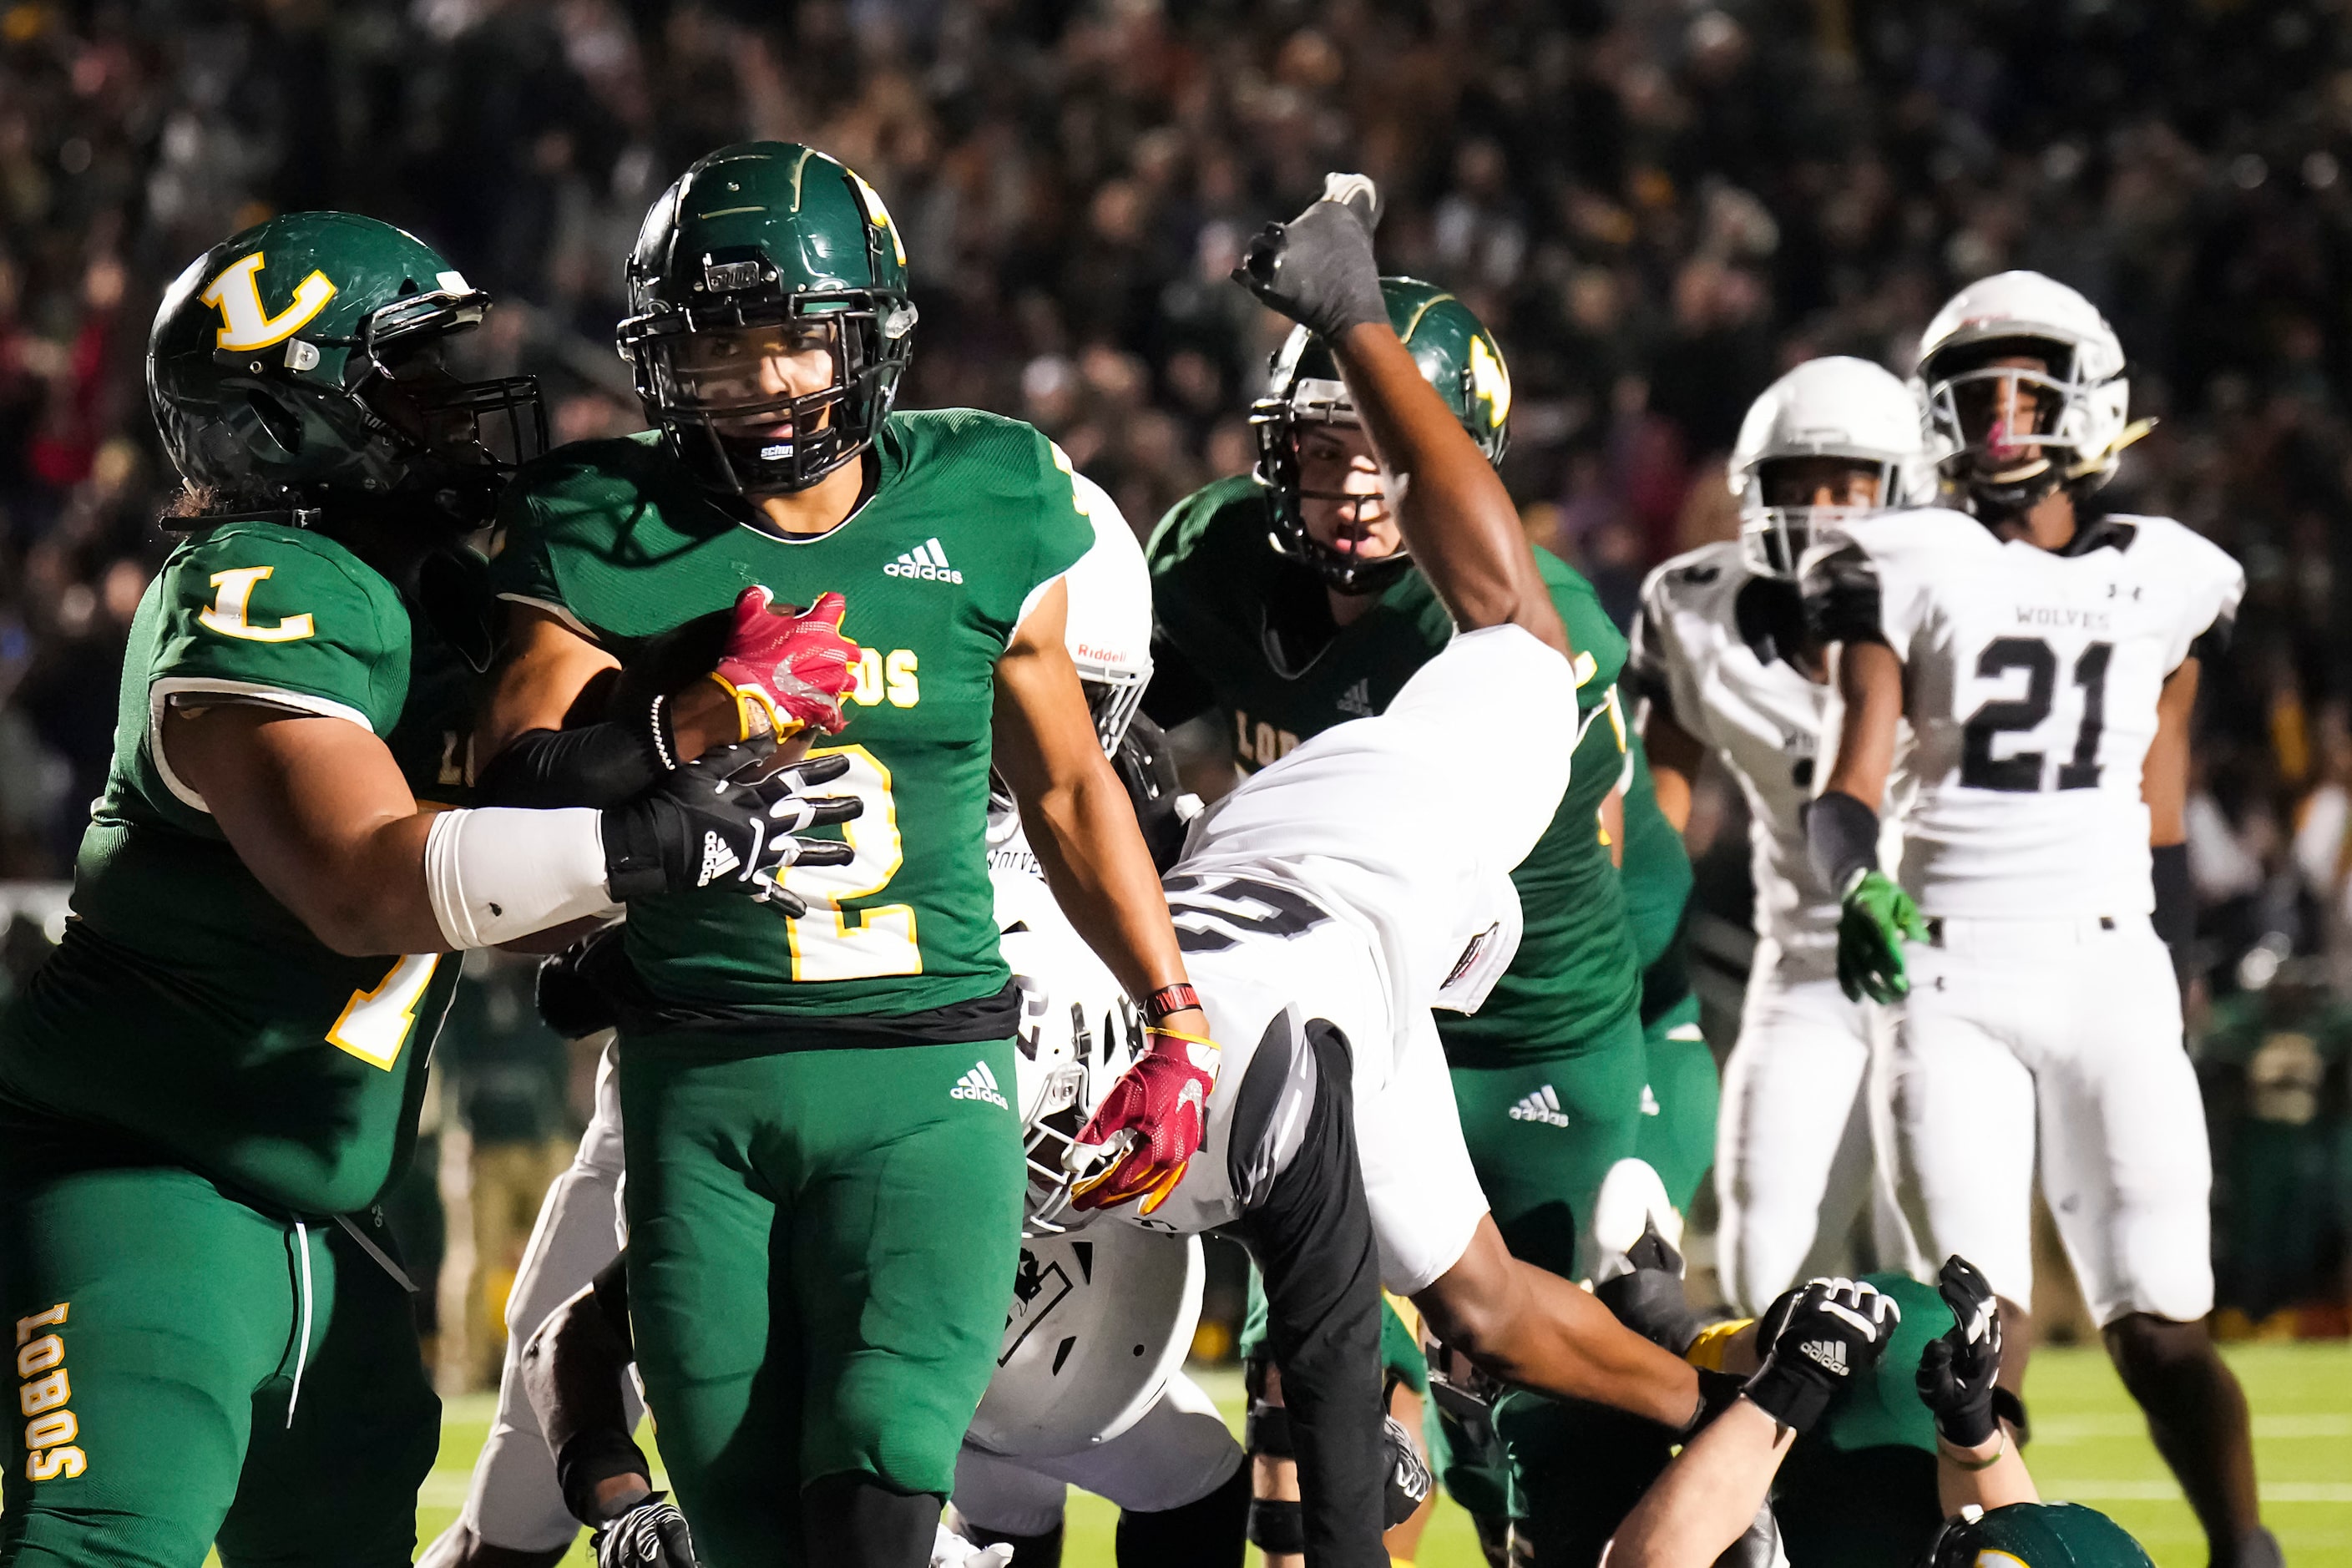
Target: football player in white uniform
[(1723, 664), (2047, 655)]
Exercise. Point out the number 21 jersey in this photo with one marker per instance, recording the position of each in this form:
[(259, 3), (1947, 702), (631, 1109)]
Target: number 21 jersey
[(2031, 679)]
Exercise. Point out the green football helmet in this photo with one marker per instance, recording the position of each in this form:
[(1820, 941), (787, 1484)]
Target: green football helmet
[(2035, 1535), (762, 249), (302, 360), (1454, 349)]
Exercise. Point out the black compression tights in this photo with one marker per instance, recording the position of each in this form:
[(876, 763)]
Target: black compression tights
[(853, 1522), (1202, 1534)]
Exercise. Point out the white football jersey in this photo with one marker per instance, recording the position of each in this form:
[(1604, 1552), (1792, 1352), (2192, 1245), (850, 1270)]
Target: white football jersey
[(1707, 641), (2031, 683)]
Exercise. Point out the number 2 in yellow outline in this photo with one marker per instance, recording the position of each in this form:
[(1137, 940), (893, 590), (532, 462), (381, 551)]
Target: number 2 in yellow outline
[(375, 1023), (824, 945)]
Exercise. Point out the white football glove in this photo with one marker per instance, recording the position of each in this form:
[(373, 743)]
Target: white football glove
[(949, 1550)]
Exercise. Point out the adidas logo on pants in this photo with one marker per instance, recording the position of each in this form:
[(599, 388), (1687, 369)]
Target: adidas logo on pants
[(979, 1084), (1543, 1106)]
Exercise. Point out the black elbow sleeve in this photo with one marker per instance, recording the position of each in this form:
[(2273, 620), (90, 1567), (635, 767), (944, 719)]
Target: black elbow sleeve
[(1841, 838), (595, 765), (2176, 899)]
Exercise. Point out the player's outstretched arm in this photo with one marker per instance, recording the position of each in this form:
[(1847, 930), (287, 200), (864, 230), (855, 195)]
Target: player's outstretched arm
[(320, 812), (1875, 917), (1457, 519), (1083, 828), (2164, 785)]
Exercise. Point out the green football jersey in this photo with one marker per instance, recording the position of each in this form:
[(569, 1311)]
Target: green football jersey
[(188, 1008), (1656, 872), (1218, 589), (970, 516)]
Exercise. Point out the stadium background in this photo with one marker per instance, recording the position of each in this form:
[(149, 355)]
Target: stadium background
[(1657, 205)]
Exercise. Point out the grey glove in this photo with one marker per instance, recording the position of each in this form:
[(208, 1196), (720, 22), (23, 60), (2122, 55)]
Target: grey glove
[(1317, 268)]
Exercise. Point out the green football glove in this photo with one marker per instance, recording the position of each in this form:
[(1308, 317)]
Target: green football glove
[(1874, 920)]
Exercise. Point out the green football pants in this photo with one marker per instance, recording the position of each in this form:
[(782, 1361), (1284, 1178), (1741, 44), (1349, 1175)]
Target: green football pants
[(1677, 1135), (1542, 1133), (821, 1246), (190, 1370)]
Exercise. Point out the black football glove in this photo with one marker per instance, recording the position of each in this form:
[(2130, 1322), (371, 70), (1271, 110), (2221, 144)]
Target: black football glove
[(1831, 1332), (1409, 1478), (1649, 1298), (652, 1534), (1317, 268), (717, 822), (1958, 1371), (569, 1002)]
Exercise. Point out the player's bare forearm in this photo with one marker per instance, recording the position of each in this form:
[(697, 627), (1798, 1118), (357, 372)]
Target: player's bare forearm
[(1869, 680), (1457, 517), (1991, 1474), (319, 813), (1076, 811), (1707, 1497), (2164, 777), (549, 677), (1675, 757), (1531, 1328)]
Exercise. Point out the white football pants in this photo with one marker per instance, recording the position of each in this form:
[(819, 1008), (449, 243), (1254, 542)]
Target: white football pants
[(514, 1501), (2065, 1036), (1794, 1164), (1179, 1453)]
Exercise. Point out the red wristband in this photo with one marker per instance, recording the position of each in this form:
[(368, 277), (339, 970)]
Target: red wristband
[(1169, 999)]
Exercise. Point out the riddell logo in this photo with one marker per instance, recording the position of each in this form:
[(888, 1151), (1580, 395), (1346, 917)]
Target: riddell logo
[(926, 563)]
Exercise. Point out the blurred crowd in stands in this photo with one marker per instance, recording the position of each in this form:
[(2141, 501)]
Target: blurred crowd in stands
[(1657, 206)]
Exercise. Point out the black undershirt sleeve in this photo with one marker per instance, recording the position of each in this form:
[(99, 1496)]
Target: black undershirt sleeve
[(1312, 1237), (596, 764), (1179, 692)]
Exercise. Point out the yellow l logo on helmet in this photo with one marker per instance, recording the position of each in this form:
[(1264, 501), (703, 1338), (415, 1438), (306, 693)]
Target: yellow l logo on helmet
[(1490, 383), (237, 294), (876, 213), (1993, 1557)]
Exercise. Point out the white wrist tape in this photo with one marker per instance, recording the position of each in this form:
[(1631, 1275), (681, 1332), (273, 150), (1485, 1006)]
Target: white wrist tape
[(499, 873)]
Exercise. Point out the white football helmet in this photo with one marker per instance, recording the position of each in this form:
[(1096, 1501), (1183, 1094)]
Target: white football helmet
[(2082, 401), (1833, 407), (1078, 1033), (1098, 1323), (1109, 630)]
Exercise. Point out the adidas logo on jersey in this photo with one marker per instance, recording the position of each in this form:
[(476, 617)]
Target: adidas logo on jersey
[(1543, 1106), (1829, 1353), (927, 562), (979, 1084), (1357, 699), (718, 857)]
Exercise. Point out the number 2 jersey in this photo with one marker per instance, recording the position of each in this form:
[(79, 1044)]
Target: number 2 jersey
[(188, 1015), (2031, 679), (969, 520)]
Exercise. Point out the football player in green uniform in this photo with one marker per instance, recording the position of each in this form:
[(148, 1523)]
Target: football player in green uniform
[(206, 1088), (825, 1175), (1287, 604), (1677, 1135)]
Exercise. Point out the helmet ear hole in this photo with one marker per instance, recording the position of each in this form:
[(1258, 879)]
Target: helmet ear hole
[(272, 430)]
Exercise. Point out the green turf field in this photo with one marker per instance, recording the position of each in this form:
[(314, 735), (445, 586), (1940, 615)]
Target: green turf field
[(2089, 1446)]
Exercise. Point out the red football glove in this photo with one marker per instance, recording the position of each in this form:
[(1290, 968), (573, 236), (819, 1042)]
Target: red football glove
[(1150, 1125), (793, 665)]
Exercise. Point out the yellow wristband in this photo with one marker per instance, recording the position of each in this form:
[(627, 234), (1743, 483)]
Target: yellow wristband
[(1166, 1034), (1706, 1352)]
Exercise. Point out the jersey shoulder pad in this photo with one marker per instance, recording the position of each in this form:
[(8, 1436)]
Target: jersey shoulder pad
[(260, 608), (1206, 525), (1013, 482), (2212, 582), (1695, 580), (596, 499), (1590, 632)]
